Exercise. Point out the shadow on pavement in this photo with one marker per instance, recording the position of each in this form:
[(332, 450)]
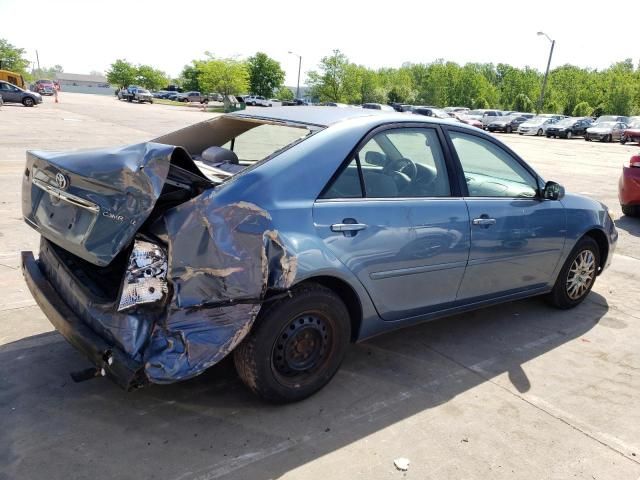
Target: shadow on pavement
[(631, 225), (212, 427)]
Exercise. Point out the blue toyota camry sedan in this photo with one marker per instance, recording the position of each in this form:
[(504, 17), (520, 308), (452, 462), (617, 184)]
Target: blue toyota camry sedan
[(280, 237)]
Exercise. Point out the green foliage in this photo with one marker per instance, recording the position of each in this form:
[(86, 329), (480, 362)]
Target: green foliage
[(189, 77), (223, 75), (522, 103), (265, 75), (12, 58), (150, 78), (121, 74), (284, 93), (328, 85), (480, 103), (583, 109), (46, 73)]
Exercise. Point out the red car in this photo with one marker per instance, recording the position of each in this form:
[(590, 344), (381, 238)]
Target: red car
[(629, 187), (44, 87), (465, 119), (631, 134)]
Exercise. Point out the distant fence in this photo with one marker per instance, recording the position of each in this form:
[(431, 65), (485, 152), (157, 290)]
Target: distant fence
[(87, 89)]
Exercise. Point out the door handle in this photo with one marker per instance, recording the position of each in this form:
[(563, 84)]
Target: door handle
[(348, 227), (484, 221)]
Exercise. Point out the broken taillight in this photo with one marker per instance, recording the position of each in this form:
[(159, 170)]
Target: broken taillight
[(145, 280)]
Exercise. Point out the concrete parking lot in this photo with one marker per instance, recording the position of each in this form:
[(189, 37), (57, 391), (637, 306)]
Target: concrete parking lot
[(519, 391)]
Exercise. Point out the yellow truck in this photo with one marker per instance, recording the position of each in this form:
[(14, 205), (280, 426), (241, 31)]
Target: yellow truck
[(12, 77)]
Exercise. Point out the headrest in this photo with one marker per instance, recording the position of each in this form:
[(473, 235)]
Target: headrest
[(219, 155)]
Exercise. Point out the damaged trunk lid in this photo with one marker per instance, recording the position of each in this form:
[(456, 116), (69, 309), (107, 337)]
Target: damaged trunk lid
[(92, 202)]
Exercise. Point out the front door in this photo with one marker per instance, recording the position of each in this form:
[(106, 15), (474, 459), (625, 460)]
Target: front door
[(516, 237), (393, 217)]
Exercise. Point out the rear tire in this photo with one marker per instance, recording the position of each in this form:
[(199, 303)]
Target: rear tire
[(577, 276), (296, 345), (509, 129), (623, 140), (539, 133), (631, 210)]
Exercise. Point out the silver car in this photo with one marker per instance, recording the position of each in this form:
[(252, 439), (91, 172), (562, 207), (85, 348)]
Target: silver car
[(605, 131), (536, 126)]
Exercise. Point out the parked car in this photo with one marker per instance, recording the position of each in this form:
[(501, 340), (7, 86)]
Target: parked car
[(284, 263), (377, 106), (192, 97), (159, 94), (611, 118), (172, 95), (44, 87), (13, 94), (629, 187), (430, 112), (257, 100), (536, 126), (466, 119), (456, 109), (135, 92), (568, 128), (605, 131), (631, 133), (489, 116), (507, 124)]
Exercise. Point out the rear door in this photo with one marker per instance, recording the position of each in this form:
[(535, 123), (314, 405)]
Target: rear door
[(516, 237), (394, 216)]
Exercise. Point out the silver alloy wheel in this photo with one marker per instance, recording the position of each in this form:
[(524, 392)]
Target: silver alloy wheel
[(581, 274), (569, 134)]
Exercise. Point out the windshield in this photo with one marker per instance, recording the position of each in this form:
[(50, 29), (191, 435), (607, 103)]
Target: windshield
[(607, 118), (605, 124), (475, 112), (142, 90)]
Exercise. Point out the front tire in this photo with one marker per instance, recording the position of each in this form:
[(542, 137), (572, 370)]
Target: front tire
[(569, 135), (28, 102), (631, 210), (509, 129), (539, 133), (296, 345), (577, 276)]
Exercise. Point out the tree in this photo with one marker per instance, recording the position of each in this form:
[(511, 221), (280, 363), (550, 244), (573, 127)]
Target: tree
[(150, 78), (12, 58), (265, 75), (284, 93), (189, 77), (583, 109), (121, 74), (329, 83), (224, 75), (522, 103)]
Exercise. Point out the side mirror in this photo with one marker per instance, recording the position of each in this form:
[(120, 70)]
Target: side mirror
[(553, 191)]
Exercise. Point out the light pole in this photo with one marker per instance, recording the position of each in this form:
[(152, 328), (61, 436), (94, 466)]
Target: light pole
[(299, 67), (546, 74)]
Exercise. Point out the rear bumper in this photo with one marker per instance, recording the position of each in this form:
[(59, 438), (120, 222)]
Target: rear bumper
[(629, 186), (124, 371)]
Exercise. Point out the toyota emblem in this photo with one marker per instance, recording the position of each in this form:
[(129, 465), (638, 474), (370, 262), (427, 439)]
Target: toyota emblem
[(61, 181)]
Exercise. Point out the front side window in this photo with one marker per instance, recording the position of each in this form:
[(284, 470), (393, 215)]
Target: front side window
[(490, 171), (402, 162)]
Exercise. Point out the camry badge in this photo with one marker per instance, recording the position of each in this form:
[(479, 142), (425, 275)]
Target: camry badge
[(61, 181)]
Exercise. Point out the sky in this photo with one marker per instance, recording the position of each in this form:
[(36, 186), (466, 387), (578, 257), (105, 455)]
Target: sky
[(89, 35)]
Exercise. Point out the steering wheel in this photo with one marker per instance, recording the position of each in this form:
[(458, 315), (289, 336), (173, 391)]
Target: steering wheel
[(403, 166)]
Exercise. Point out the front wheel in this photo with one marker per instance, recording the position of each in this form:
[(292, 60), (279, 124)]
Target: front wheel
[(631, 210), (539, 133), (509, 129), (623, 140), (296, 345), (577, 275), (569, 135), (28, 102)]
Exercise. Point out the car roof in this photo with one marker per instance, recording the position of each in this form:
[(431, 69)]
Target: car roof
[(321, 116)]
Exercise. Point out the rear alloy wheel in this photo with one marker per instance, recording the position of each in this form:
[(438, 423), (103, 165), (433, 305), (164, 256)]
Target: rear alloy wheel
[(569, 135), (577, 275), (296, 345), (28, 102)]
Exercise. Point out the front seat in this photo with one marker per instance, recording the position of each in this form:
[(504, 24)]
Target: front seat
[(216, 156)]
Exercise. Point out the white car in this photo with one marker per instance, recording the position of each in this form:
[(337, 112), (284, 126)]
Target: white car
[(258, 100), (536, 126)]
